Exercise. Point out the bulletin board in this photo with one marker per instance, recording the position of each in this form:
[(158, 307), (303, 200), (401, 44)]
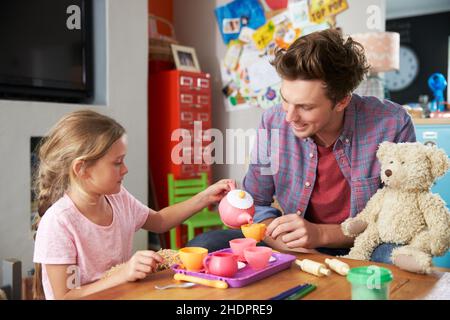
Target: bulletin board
[(252, 31)]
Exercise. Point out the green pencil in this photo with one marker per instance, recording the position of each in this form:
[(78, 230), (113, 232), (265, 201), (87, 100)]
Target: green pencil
[(301, 293)]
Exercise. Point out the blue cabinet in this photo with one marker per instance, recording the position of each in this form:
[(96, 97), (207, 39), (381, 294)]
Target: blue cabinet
[(438, 134)]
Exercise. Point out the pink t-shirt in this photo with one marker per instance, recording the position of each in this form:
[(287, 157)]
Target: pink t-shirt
[(65, 236)]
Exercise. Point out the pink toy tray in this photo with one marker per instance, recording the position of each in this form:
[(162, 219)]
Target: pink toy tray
[(245, 275)]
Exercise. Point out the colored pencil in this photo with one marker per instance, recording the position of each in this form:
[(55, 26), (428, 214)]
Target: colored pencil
[(301, 293), (289, 292)]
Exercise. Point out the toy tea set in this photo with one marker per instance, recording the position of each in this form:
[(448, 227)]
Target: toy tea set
[(244, 262)]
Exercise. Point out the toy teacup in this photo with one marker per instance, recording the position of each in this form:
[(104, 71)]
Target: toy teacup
[(238, 246), (258, 257), (192, 257), (255, 231)]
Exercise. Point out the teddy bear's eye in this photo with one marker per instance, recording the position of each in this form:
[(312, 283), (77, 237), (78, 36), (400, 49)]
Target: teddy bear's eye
[(391, 162), (403, 162)]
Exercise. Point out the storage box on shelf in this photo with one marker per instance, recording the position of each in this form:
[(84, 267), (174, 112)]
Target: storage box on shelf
[(159, 46)]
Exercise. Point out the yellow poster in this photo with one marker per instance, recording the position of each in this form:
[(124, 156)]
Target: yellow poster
[(264, 35), (319, 10)]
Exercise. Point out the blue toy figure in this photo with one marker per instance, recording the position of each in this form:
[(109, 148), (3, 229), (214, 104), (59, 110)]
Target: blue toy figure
[(437, 84)]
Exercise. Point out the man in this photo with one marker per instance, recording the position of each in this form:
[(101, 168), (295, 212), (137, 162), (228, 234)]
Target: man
[(328, 137)]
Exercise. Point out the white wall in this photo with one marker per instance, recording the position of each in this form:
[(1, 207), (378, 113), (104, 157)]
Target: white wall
[(396, 9), (355, 18), (196, 26), (409, 8), (126, 101)]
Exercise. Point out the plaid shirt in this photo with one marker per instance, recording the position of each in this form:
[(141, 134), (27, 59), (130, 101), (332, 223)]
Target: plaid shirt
[(368, 122)]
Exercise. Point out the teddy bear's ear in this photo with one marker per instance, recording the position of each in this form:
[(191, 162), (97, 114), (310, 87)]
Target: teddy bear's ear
[(439, 161), (382, 149)]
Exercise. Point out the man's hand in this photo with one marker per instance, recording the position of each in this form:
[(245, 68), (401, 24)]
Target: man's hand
[(295, 232)]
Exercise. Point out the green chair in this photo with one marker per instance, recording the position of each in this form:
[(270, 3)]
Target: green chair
[(181, 190)]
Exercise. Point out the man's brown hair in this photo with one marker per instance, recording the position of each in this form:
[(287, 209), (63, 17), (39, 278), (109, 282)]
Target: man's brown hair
[(327, 56)]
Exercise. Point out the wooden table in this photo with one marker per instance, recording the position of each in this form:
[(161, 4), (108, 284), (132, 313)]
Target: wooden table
[(405, 285)]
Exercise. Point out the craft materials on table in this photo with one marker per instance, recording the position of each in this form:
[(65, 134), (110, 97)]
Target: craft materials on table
[(338, 266), (312, 267), (295, 292), (219, 284), (370, 282), (300, 294)]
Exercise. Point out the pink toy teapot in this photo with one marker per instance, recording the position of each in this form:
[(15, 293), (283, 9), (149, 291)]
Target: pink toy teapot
[(236, 208)]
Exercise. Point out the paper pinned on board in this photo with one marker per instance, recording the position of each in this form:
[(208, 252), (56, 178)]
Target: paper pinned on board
[(233, 54), (246, 34), (262, 74), (299, 13), (264, 35), (248, 56), (319, 10)]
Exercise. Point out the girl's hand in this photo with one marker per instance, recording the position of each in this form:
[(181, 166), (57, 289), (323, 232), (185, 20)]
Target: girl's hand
[(214, 193), (140, 265)]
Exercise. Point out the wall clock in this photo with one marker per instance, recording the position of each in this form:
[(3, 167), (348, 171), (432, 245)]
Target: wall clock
[(409, 68)]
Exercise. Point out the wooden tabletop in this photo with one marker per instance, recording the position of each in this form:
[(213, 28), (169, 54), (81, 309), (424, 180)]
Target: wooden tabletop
[(405, 285)]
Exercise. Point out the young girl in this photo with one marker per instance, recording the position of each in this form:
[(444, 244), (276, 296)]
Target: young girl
[(90, 218)]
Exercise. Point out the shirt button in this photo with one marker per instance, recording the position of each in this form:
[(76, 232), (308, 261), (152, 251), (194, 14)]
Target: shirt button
[(311, 155), (307, 184)]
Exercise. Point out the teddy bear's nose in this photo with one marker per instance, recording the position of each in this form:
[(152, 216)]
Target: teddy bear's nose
[(388, 173)]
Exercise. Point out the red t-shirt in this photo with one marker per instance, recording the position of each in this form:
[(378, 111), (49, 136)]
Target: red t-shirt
[(330, 199)]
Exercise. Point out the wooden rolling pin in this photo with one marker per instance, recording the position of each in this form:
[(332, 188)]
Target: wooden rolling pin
[(315, 268), (337, 265), (206, 282)]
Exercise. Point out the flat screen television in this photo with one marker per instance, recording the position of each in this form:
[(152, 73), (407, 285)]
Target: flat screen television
[(46, 50)]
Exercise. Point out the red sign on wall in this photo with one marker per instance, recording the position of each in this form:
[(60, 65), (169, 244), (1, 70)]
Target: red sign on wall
[(270, 5)]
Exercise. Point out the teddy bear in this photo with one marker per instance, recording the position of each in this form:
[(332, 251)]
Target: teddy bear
[(404, 211)]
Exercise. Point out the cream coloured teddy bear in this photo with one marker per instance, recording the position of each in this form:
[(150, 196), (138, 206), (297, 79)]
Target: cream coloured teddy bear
[(404, 212)]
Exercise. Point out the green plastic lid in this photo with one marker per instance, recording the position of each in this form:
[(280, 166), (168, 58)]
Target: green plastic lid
[(372, 274)]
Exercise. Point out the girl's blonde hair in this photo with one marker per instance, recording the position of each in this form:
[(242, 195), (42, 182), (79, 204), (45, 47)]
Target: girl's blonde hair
[(81, 135)]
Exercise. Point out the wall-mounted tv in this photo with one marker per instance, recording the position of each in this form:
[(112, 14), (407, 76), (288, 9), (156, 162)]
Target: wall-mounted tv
[(46, 50)]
